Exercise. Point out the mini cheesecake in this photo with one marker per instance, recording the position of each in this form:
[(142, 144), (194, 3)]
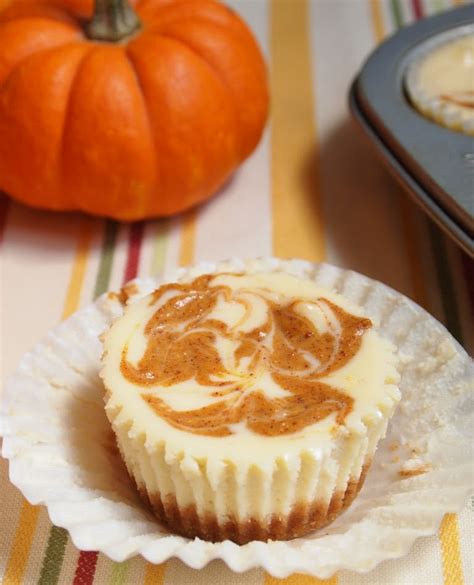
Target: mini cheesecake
[(441, 84), (247, 406)]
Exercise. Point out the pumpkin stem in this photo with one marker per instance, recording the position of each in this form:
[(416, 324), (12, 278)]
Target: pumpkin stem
[(113, 21)]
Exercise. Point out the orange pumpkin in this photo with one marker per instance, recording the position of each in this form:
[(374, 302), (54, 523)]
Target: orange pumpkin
[(129, 110)]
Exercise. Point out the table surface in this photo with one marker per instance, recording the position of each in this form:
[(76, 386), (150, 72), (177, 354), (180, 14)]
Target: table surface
[(313, 189)]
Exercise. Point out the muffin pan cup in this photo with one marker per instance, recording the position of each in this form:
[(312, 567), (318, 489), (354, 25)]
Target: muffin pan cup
[(433, 163)]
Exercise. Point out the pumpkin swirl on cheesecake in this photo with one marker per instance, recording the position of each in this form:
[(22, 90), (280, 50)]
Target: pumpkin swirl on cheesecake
[(182, 344), (247, 405)]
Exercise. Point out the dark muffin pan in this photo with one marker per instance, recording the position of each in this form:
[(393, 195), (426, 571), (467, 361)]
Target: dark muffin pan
[(434, 164)]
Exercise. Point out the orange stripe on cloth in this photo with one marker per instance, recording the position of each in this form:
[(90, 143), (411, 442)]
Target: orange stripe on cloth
[(298, 579), (28, 519), (188, 237), (86, 231), (154, 574), (21, 544), (451, 550), (296, 198)]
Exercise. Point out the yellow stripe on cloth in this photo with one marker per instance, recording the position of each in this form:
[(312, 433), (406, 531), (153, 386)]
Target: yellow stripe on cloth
[(297, 220), (21, 544), (451, 550), (298, 579), (377, 20), (28, 519), (188, 238)]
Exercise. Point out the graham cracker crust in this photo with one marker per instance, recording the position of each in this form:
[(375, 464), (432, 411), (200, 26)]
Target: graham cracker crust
[(304, 518)]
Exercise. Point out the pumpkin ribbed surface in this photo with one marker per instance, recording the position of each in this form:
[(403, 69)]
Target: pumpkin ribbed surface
[(147, 126)]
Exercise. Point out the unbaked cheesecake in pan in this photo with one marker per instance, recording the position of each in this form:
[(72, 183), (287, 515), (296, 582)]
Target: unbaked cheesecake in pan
[(247, 406)]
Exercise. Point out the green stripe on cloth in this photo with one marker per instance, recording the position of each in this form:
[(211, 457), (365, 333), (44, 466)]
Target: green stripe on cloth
[(107, 257), (119, 573), (53, 558), (396, 14), (159, 247)]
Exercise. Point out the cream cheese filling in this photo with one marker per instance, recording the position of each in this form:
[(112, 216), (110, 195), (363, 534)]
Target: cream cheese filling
[(369, 378)]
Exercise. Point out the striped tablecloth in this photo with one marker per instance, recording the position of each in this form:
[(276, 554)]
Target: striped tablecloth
[(314, 189)]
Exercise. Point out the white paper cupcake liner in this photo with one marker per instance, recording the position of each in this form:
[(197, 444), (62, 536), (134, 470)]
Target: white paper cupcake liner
[(440, 111), (62, 451)]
